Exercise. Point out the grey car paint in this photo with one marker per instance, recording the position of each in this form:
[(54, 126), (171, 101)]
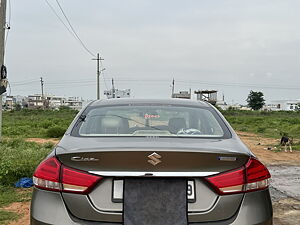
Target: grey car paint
[(49, 208), (184, 154)]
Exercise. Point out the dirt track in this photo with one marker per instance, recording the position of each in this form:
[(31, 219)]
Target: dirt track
[(284, 167)]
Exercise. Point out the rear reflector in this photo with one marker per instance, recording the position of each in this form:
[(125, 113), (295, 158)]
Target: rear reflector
[(52, 175), (251, 177)]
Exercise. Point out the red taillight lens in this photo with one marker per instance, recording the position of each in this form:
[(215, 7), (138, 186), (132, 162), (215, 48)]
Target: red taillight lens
[(253, 176), (257, 175), (52, 175), (77, 181), (229, 182), (46, 175)]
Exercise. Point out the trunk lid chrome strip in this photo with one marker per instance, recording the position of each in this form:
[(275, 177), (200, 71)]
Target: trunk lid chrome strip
[(152, 174)]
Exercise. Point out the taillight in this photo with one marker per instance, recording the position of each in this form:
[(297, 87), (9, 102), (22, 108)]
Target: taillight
[(251, 177), (52, 175), (257, 175), (46, 175), (77, 181)]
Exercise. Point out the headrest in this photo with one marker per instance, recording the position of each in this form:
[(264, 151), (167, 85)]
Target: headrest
[(114, 125), (176, 124)]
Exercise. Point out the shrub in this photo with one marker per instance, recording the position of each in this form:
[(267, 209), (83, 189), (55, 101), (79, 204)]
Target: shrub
[(19, 159), (261, 129), (46, 124), (35, 123), (55, 132), (269, 124)]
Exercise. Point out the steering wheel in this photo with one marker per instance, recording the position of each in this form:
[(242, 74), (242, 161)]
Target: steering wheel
[(189, 131)]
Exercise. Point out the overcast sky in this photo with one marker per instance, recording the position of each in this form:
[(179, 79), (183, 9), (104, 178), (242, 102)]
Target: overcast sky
[(233, 46)]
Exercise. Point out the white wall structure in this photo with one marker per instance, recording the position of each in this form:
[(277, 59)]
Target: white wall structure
[(283, 105), (54, 102), (116, 93), (35, 101), (73, 102)]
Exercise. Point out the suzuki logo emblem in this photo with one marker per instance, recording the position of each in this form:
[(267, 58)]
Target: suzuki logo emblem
[(154, 159)]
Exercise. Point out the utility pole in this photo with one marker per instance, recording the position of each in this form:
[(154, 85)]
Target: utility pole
[(173, 87), (2, 40), (42, 87), (113, 88), (99, 59)]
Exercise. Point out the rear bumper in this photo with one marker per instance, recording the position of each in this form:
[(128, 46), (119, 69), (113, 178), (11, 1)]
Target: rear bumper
[(256, 209), (49, 208)]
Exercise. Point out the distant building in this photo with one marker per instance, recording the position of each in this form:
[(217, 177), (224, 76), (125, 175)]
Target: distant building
[(21, 100), (283, 105), (36, 101), (11, 102), (116, 93), (53, 102), (210, 96), (222, 105), (182, 94), (73, 103)]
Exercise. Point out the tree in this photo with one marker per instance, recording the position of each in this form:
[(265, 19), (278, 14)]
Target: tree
[(255, 100)]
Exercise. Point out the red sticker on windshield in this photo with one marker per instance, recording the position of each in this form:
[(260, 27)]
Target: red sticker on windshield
[(148, 116)]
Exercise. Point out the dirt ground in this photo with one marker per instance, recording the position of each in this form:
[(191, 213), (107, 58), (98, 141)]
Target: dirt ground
[(23, 209), (259, 146), (286, 208), (43, 141), (286, 211)]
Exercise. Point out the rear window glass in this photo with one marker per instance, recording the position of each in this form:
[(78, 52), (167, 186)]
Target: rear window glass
[(169, 121)]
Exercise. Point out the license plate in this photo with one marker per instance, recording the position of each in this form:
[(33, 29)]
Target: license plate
[(117, 191)]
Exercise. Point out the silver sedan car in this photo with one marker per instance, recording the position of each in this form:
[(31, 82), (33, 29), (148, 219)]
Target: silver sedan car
[(151, 162)]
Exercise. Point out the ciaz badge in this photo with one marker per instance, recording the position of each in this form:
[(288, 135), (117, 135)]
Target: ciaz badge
[(83, 159)]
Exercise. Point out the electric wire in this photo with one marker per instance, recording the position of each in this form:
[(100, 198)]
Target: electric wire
[(25, 83), (87, 81), (59, 84), (60, 19), (194, 82), (72, 28)]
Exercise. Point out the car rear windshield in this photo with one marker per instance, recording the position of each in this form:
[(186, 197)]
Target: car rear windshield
[(153, 120)]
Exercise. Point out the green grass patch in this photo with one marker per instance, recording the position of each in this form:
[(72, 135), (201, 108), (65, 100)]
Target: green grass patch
[(55, 132), (36, 123), (266, 124), (19, 159), (9, 195), (6, 217)]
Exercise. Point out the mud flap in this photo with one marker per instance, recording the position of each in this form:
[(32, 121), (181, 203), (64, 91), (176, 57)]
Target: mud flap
[(155, 201)]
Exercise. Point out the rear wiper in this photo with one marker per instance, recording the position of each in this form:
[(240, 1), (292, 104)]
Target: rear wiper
[(80, 120)]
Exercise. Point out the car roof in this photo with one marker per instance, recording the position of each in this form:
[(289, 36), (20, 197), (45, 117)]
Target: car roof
[(128, 101)]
